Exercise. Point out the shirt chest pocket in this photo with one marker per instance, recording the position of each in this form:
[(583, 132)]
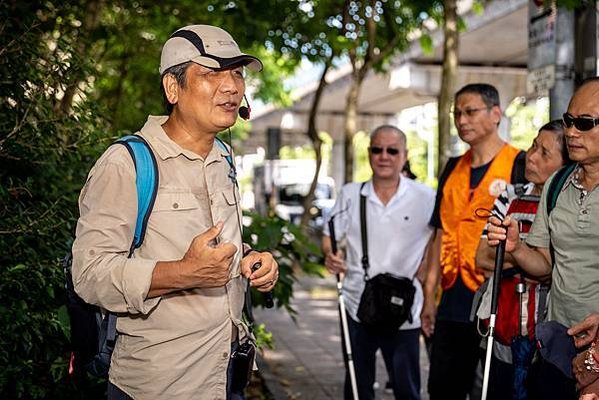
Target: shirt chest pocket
[(224, 205), (179, 202), (179, 216)]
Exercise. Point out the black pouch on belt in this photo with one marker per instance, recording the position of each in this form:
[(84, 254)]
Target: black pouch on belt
[(242, 360)]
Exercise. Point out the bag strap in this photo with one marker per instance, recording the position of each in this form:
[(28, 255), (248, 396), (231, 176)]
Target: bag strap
[(364, 233), (556, 185), (555, 188), (542, 303), (146, 182), (247, 305), (365, 263), (232, 170)]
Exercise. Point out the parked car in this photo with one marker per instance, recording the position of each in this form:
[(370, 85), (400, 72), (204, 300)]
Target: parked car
[(291, 199)]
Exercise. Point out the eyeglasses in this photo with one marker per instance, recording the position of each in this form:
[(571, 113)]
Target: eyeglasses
[(392, 151), (469, 112), (581, 123)]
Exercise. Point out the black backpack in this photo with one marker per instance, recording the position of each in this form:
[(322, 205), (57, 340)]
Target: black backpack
[(93, 331)]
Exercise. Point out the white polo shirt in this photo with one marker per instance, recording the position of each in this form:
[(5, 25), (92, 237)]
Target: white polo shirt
[(397, 237)]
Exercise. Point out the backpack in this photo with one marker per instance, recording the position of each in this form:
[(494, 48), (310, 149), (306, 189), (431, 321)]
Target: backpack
[(93, 331)]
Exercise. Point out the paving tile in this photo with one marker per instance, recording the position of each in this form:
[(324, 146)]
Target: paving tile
[(307, 362)]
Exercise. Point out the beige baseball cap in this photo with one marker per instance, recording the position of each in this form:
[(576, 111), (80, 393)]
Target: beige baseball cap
[(206, 45)]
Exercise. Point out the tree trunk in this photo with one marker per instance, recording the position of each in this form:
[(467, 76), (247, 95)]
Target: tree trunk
[(351, 125), (448, 78), (90, 22), (316, 142)]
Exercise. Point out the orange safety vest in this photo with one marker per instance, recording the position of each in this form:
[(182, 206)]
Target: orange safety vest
[(461, 227)]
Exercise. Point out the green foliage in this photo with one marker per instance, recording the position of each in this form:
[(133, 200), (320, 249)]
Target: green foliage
[(526, 118), (44, 157), (362, 170), (75, 75), (292, 249), (264, 338), (426, 42)]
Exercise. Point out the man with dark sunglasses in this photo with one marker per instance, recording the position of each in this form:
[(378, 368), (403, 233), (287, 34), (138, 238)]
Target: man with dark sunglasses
[(467, 183), (397, 212), (564, 244)]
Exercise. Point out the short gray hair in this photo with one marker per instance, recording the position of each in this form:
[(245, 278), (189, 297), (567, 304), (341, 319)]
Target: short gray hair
[(399, 132)]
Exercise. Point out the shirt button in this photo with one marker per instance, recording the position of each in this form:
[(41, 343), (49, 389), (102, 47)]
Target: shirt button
[(225, 355), (175, 205)]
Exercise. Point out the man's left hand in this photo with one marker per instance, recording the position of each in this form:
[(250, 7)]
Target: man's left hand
[(585, 331), (265, 277)]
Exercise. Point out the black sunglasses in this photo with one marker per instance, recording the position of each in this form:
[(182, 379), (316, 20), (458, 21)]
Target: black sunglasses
[(580, 123), (392, 151)]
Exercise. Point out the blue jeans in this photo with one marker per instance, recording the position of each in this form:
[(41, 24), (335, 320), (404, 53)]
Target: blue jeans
[(115, 393), (401, 351)]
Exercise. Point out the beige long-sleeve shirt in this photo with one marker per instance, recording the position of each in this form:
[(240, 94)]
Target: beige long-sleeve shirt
[(175, 346)]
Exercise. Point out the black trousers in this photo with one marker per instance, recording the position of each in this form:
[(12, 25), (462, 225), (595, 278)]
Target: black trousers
[(401, 352), (454, 358), (547, 382)]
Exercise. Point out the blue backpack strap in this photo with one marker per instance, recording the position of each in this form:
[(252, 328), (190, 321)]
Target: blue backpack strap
[(229, 158), (146, 170)]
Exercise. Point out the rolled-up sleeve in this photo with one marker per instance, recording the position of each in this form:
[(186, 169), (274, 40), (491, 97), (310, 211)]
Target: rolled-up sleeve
[(102, 272)]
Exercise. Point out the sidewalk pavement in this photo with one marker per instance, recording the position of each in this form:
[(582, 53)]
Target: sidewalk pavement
[(307, 362)]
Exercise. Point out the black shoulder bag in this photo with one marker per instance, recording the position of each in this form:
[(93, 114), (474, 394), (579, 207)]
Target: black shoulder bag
[(387, 300)]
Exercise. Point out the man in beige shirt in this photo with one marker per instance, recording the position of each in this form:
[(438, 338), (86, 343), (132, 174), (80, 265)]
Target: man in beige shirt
[(179, 297)]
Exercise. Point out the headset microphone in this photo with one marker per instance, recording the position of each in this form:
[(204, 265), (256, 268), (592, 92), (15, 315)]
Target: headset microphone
[(244, 112)]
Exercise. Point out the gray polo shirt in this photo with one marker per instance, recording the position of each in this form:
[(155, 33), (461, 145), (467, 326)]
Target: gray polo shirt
[(574, 229)]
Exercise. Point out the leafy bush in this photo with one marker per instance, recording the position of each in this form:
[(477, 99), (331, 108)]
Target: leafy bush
[(292, 248), (57, 64)]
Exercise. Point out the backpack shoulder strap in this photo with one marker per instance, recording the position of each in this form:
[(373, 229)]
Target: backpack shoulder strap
[(556, 185), (229, 157), (220, 143), (146, 181)]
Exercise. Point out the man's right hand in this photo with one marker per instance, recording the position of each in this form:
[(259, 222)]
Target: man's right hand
[(428, 316), (497, 232), (206, 263), (335, 263)]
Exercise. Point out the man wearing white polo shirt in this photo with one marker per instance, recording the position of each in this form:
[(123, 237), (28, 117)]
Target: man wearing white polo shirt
[(397, 214)]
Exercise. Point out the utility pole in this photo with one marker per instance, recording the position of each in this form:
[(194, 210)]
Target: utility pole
[(577, 42), (563, 89)]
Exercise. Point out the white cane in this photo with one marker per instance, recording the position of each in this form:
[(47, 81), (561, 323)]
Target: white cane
[(499, 254), (343, 316)]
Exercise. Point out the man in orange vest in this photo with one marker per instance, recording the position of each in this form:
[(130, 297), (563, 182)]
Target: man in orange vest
[(468, 182)]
